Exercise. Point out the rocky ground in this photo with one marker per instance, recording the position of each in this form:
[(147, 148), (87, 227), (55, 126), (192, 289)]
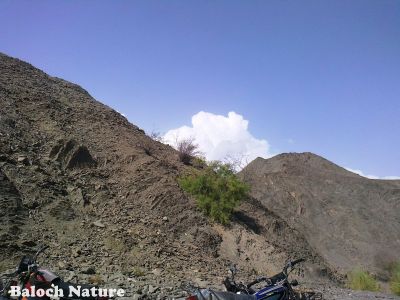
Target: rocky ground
[(336, 293), (77, 176)]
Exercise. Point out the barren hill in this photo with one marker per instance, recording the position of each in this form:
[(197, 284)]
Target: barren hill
[(77, 176), (347, 219)]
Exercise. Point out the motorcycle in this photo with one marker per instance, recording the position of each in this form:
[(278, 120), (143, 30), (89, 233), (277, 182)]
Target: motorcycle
[(31, 282), (278, 287)]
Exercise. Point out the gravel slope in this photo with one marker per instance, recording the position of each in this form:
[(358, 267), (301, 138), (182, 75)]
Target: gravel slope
[(77, 176)]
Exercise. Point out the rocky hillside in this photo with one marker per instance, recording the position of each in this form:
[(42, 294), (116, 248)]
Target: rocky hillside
[(77, 176), (348, 220)]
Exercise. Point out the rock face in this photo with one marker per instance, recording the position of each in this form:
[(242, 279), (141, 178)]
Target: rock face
[(77, 176), (12, 213), (347, 219), (71, 155)]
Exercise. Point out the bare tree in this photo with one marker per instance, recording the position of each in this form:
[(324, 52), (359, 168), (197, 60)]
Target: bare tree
[(157, 136), (187, 149), (237, 161)]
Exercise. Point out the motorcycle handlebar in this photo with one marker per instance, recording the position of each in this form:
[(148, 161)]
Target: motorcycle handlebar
[(297, 261), (39, 251), (291, 264)]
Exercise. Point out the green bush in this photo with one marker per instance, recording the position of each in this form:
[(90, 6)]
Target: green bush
[(138, 272), (395, 280), (217, 190), (361, 280)]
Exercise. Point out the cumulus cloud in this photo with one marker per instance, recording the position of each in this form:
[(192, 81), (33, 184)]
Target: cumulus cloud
[(359, 172), (221, 137)]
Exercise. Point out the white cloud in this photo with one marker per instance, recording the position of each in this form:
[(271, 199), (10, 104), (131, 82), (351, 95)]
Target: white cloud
[(122, 114), (391, 177), (220, 137), (359, 172)]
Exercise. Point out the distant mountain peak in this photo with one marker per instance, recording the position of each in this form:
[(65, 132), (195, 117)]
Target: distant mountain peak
[(293, 162), (339, 212)]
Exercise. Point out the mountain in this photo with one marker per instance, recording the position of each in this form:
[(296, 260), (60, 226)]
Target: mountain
[(348, 220), (77, 176)]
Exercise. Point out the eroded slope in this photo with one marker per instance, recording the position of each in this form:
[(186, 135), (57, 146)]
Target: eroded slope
[(349, 220)]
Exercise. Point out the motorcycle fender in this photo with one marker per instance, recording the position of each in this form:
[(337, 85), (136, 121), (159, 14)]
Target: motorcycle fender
[(48, 275)]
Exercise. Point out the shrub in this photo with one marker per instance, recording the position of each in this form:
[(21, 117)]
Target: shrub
[(96, 280), (114, 244), (138, 272), (362, 280), (217, 190), (147, 145), (199, 162), (156, 136), (187, 149), (395, 280), (237, 161)]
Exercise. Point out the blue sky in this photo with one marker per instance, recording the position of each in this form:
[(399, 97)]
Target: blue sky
[(319, 76)]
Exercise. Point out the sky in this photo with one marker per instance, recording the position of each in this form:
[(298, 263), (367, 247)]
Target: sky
[(248, 77)]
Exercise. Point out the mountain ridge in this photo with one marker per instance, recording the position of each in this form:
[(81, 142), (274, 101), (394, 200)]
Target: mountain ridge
[(100, 192), (340, 213), (76, 175), (309, 159)]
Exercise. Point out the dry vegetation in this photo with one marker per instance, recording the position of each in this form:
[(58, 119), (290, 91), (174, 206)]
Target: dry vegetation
[(359, 279), (187, 150)]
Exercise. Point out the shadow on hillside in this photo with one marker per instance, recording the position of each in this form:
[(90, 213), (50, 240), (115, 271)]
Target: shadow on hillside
[(247, 221)]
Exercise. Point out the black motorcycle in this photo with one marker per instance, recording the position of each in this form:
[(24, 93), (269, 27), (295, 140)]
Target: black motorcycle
[(278, 287)]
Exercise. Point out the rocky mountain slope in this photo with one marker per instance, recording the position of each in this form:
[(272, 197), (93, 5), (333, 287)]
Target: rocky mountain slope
[(347, 219), (77, 176)]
